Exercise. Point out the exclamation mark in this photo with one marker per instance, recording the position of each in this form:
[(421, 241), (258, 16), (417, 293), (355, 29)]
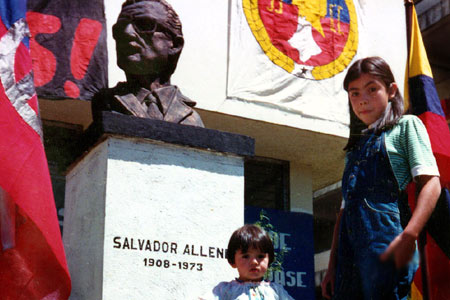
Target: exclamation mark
[(86, 38), (44, 61)]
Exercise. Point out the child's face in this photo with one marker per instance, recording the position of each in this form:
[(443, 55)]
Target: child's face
[(251, 265), (369, 97)]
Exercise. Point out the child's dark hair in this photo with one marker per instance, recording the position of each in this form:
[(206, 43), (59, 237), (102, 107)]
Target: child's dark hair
[(250, 236), (377, 67)]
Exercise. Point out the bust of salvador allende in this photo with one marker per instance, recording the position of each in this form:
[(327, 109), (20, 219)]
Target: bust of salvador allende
[(149, 41)]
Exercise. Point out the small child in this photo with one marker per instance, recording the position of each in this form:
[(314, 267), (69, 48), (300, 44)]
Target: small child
[(250, 250)]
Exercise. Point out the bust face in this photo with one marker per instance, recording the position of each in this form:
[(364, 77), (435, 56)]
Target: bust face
[(142, 43)]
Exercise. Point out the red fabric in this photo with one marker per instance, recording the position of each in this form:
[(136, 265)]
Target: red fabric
[(439, 270), (446, 107), (438, 264), (424, 99), (44, 62), (36, 267), (71, 89), (86, 38), (439, 134), (281, 27)]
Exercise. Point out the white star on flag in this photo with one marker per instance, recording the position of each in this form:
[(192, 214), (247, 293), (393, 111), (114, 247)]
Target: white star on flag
[(18, 93)]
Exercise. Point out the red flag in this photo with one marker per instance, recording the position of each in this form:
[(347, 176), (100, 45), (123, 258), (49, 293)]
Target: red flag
[(425, 103), (446, 107), (32, 259)]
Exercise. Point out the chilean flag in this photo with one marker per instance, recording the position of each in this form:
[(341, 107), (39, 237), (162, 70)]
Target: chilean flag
[(424, 102), (32, 259)]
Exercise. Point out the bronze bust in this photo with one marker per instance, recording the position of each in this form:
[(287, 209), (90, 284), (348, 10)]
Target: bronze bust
[(149, 41)]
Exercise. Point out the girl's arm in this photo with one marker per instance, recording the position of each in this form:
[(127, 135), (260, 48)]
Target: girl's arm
[(402, 248), (330, 276)]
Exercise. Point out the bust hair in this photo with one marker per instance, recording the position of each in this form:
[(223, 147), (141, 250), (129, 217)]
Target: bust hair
[(173, 21), (250, 236), (377, 67)]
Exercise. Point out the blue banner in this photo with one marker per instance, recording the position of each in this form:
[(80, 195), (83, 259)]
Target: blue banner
[(11, 11), (292, 235)]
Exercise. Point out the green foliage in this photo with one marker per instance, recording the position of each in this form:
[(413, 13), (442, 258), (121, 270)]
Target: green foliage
[(264, 223)]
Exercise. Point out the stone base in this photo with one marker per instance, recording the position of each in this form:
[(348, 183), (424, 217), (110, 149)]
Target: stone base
[(146, 219)]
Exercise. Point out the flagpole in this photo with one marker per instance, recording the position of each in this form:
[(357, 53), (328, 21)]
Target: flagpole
[(422, 243), (408, 17), (408, 13), (422, 240)]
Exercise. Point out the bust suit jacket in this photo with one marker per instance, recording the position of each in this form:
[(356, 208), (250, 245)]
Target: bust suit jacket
[(166, 103)]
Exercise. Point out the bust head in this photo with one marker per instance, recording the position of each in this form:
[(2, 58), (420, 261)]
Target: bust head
[(148, 38)]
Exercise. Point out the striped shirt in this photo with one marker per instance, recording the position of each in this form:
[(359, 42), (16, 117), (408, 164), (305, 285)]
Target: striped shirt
[(409, 150)]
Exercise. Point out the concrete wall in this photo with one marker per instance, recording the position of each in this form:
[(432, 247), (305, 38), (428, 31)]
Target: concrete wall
[(301, 188), (146, 219)]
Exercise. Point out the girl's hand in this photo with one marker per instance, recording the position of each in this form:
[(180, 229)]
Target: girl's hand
[(328, 284), (401, 250)]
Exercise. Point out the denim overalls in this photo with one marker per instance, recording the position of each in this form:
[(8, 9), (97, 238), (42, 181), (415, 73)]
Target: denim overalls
[(370, 221)]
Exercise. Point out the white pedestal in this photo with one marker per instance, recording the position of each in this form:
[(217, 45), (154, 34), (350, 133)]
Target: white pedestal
[(150, 220)]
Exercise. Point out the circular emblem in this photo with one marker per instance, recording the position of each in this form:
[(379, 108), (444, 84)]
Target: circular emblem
[(313, 39)]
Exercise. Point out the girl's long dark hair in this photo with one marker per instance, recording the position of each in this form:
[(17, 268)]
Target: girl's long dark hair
[(377, 67)]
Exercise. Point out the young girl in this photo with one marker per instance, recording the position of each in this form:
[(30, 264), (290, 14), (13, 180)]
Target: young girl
[(250, 250), (374, 240)]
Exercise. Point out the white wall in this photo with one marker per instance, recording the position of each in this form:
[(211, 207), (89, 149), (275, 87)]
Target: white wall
[(202, 72), (301, 188)]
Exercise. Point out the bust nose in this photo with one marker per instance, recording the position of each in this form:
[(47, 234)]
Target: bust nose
[(129, 30), (124, 30)]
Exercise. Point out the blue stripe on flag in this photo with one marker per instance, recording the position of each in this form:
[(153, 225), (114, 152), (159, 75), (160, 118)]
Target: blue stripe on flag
[(423, 96), (12, 10)]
